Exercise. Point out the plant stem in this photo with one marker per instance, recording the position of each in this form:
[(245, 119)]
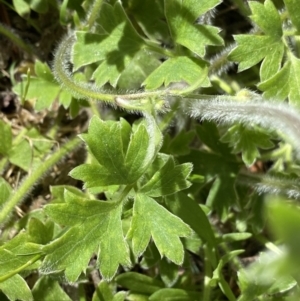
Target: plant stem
[(15, 39), (155, 48), (125, 192), (226, 289), (94, 13), (86, 90), (36, 175), (21, 268), (207, 274)]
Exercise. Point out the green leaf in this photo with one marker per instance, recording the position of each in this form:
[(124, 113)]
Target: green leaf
[(115, 46), (269, 48), (48, 289), (252, 49), (22, 155), (192, 214), (231, 237), (6, 138), (266, 17), (151, 219), (222, 195), (210, 164), (179, 145), (173, 294), (5, 191), (182, 68), (261, 275), (168, 272), (139, 283), (282, 285), (16, 288), (284, 219), (182, 16), (42, 88), (123, 155), (209, 135), (137, 70), (103, 292), (150, 16), (150, 257), (293, 10), (40, 6), (218, 277), (222, 169), (168, 180), (40, 233), (65, 98), (285, 83), (21, 7), (247, 140), (95, 226), (17, 252)]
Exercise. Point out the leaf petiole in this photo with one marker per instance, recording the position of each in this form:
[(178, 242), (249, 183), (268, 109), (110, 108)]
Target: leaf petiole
[(21, 268)]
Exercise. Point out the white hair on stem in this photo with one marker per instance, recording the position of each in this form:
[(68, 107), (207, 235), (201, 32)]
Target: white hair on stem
[(279, 116)]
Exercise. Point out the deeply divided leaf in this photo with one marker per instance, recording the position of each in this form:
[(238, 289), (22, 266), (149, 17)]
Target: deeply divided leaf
[(168, 180), (247, 140), (150, 219), (123, 155), (114, 45), (185, 30), (289, 79), (94, 226), (191, 71)]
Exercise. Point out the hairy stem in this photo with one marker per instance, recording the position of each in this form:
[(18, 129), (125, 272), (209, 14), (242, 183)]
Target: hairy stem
[(90, 91), (36, 175), (277, 116), (219, 63), (271, 184), (94, 13)]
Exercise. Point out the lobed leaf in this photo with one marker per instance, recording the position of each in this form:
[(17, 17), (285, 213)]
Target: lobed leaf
[(293, 10), (95, 226), (123, 155), (182, 68), (182, 206), (151, 219), (267, 17), (114, 45), (269, 48), (138, 70), (182, 20), (168, 179), (247, 140), (150, 17), (251, 49), (285, 83)]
